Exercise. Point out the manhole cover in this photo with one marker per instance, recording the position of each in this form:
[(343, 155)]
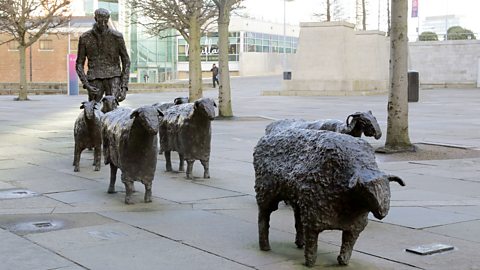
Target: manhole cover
[(35, 226), (17, 194)]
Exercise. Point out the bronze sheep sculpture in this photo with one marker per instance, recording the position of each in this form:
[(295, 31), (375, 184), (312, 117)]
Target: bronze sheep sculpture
[(130, 143), (331, 180), (109, 103), (87, 134), (355, 124), (186, 129)]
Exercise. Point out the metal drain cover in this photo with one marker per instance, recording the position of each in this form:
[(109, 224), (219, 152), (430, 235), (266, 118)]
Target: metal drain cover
[(17, 193), (430, 249), (35, 226)]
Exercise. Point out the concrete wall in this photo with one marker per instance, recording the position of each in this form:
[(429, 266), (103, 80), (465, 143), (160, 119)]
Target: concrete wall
[(452, 63), (333, 59), (255, 64)]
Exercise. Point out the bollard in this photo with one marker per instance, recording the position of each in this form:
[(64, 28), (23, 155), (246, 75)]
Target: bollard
[(413, 86)]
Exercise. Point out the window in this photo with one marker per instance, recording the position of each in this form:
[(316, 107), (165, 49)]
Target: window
[(13, 45), (46, 45), (74, 45)]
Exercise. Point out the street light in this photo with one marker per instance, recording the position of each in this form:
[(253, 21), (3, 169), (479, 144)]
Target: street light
[(285, 76)]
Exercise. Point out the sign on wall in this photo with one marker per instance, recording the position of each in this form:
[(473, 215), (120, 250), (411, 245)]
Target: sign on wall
[(72, 84)]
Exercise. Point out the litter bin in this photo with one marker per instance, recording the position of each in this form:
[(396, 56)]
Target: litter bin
[(287, 75), (413, 86)]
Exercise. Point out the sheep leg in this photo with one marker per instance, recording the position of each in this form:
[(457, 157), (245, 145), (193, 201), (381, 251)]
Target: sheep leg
[(206, 171), (97, 155), (168, 161), (128, 190), (181, 166), (264, 212), (348, 240), (311, 245), (189, 168), (76, 158), (263, 227), (148, 192), (113, 178), (299, 237)]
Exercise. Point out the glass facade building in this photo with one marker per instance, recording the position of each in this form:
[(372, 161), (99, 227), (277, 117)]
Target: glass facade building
[(240, 42)]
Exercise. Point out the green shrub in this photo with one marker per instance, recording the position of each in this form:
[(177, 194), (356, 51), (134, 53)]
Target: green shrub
[(458, 33), (428, 36)]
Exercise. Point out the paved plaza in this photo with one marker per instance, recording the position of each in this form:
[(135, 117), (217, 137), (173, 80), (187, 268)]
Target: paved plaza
[(54, 218)]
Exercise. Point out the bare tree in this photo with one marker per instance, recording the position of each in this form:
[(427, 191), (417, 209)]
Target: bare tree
[(225, 8), (190, 18), (361, 14), (388, 18), (333, 11), (397, 122), (25, 21)]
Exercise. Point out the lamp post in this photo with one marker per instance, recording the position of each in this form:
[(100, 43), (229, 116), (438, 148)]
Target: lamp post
[(285, 72)]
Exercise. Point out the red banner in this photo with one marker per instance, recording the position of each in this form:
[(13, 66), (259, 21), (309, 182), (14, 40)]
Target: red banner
[(414, 8)]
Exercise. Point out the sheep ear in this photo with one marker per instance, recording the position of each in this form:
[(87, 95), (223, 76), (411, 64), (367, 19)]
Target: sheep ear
[(393, 178), (116, 101), (160, 113), (83, 105), (134, 114), (214, 104), (196, 103), (353, 116), (353, 181)]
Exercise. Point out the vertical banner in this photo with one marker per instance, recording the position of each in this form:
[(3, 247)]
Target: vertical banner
[(414, 8), (72, 75)]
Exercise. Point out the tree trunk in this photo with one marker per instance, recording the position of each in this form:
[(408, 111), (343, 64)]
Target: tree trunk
[(397, 122), (364, 13), (224, 93), (23, 87), (328, 11), (194, 61)]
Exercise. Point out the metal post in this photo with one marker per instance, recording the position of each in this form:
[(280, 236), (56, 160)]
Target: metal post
[(284, 35)]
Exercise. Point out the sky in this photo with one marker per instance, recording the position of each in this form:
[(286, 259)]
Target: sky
[(302, 10)]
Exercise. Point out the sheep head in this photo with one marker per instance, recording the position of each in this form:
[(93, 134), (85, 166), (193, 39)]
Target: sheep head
[(89, 108), (373, 189), (364, 122), (110, 103), (206, 106), (148, 117)]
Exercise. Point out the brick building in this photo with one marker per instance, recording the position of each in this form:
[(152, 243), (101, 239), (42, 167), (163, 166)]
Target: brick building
[(47, 57)]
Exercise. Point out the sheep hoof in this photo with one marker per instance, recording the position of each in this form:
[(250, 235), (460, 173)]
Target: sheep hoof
[(97, 168), (148, 200), (265, 247), (341, 260), (129, 201), (111, 190), (76, 169), (300, 244), (206, 176), (309, 263)]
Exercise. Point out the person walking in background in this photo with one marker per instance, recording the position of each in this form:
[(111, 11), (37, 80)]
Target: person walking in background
[(104, 48), (214, 71)]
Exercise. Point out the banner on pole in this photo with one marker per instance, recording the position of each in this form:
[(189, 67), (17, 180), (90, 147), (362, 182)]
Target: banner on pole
[(414, 8), (72, 75)]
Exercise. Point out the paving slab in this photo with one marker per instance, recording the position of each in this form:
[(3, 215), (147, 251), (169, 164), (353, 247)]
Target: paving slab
[(216, 234), (15, 250), (468, 230), (420, 217), (119, 246)]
